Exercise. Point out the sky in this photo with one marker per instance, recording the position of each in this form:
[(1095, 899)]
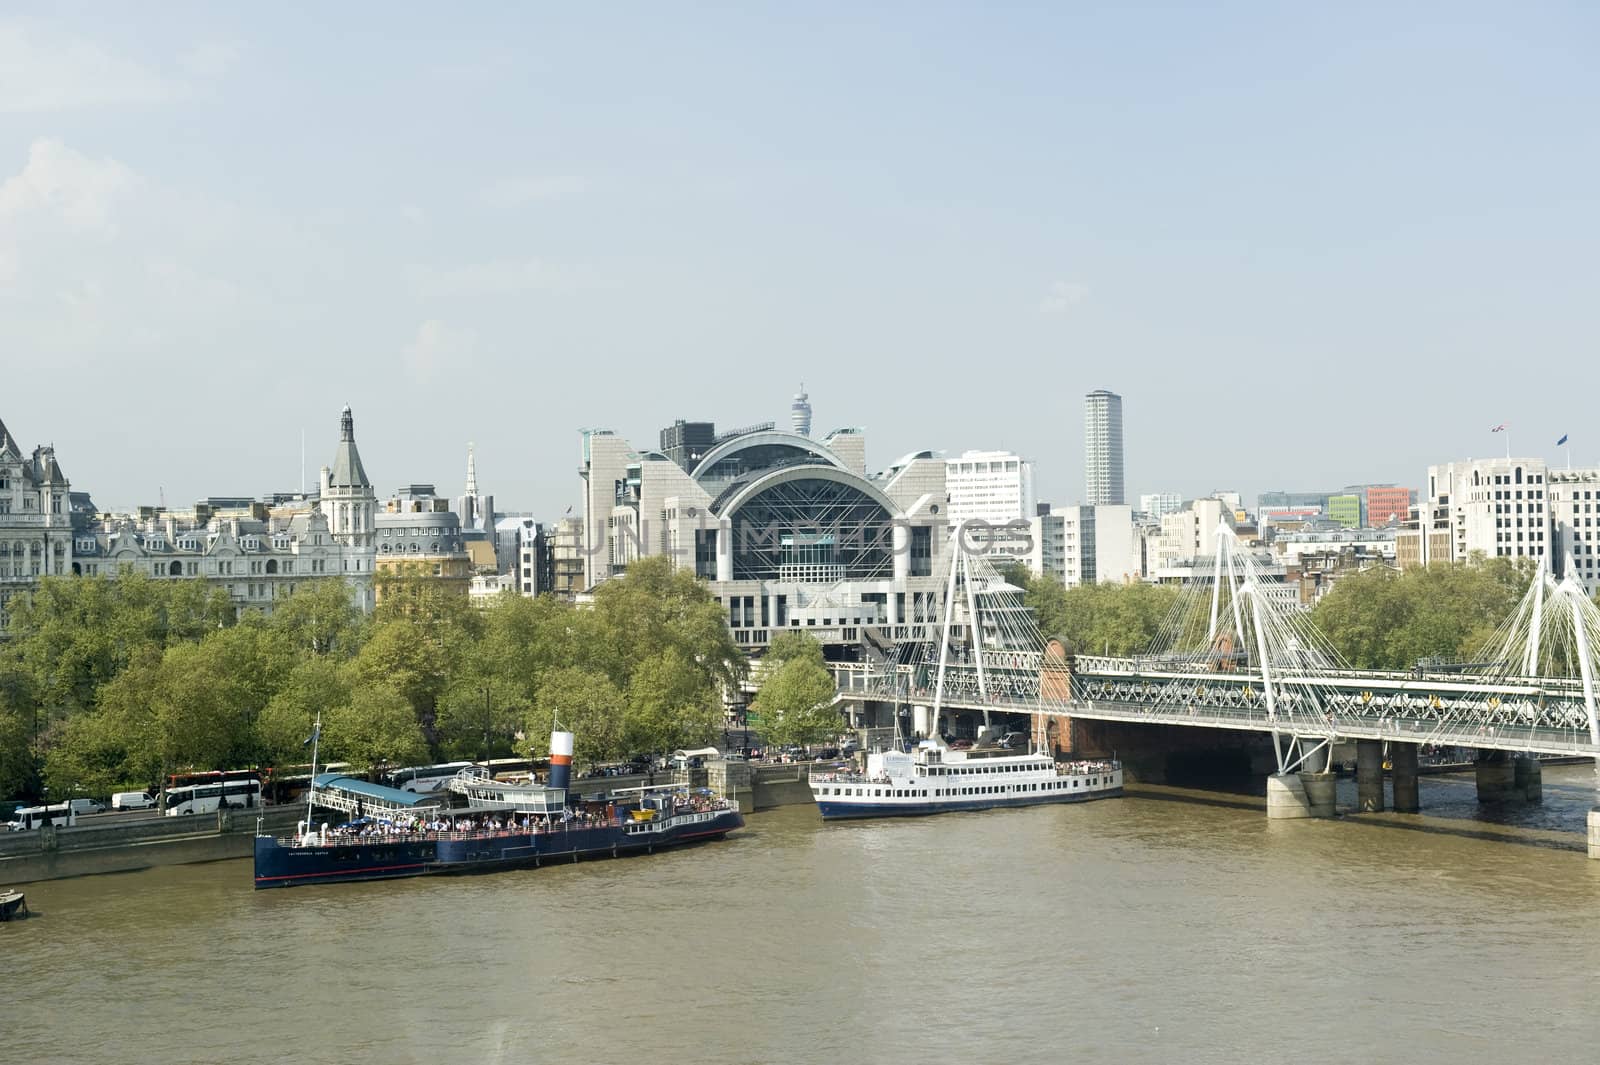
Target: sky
[(1311, 245)]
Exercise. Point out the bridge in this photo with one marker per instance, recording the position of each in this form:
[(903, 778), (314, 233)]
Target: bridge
[(1232, 655)]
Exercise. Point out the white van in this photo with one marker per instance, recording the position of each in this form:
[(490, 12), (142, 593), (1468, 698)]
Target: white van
[(88, 806), (133, 800)]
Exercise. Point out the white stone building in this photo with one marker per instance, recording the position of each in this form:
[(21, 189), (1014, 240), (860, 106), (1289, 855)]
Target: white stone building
[(1086, 545), (1496, 507), (257, 553), (36, 519)]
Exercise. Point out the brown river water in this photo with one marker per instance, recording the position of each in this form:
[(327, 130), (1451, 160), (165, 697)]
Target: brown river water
[(1166, 926)]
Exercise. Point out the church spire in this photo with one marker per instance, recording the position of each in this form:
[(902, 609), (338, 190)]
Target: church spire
[(472, 473)]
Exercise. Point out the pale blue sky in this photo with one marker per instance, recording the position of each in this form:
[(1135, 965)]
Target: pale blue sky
[(1310, 245)]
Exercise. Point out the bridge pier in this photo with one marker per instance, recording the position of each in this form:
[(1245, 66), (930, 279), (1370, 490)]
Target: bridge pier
[(1594, 833), (1369, 776), (1527, 778), (1403, 767), (1295, 795), (1496, 776)]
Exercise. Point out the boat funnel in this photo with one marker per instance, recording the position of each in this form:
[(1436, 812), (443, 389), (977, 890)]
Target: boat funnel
[(560, 760)]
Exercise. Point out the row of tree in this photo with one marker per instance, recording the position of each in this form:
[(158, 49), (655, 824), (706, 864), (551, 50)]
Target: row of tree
[(107, 683), (1377, 619)]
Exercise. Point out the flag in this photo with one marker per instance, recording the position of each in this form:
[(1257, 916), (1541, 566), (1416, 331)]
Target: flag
[(1502, 427), (1563, 440), (316, 733)]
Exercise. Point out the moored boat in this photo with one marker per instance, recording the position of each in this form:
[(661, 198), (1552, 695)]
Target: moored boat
[(934, 779), (13, 905), (395, 834)]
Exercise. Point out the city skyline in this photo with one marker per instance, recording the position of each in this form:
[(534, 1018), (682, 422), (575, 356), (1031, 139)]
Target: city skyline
[(1316, 251)]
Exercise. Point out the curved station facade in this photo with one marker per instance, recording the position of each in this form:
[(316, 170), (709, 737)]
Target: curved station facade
[(791, 532)]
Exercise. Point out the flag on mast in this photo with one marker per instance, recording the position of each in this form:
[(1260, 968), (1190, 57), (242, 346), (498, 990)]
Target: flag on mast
[(1563, 440), (1502, 427)]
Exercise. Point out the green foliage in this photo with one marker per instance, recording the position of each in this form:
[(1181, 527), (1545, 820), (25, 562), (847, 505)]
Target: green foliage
[(789, 645), (1118, 619), (321, 618), (16, 752), (125, 681), (76, 633), (1381, 619), (671, 703), (376, 725), (796, 702), (585, 704)]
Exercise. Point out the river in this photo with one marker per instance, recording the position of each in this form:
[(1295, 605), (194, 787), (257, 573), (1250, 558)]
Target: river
[(1167, 926)]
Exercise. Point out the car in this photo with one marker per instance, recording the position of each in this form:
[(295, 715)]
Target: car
[(961, 745)]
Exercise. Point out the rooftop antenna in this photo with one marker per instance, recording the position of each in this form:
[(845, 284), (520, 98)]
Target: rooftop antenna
[(302, 460)]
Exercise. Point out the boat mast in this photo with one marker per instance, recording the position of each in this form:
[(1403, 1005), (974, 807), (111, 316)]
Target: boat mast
[(311, 792)]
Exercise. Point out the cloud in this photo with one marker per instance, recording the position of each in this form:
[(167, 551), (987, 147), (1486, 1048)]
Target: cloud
[(1062, 296), (413, 214), (438, 347), (519, 192), (499, 277), (60, 182), (210, 60), (40, 71)]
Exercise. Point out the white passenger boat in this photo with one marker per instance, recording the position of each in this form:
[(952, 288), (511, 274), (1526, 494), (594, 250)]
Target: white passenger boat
[(932, 779)]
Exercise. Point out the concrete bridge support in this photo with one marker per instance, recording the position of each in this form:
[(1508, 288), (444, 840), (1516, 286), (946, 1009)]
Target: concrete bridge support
[(1594, 833), (1289, 797), (1496, 776), (1403, 768), (1369, 776), (1527, 778)]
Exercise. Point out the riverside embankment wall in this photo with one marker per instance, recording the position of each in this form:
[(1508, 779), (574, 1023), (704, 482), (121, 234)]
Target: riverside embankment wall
[(119, 846)]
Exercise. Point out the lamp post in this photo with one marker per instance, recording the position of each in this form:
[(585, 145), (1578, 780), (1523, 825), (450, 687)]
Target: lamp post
[(485, 755)]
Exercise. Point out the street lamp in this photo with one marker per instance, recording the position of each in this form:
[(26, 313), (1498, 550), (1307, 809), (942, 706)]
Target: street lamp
[(485, 756)]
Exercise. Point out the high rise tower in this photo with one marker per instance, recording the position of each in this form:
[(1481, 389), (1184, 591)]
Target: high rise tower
[(800, 412), (1102, 449)]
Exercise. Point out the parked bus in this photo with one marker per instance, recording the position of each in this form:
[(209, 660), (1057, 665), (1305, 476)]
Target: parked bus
[(205, 798), (424, 779), (215, 776)]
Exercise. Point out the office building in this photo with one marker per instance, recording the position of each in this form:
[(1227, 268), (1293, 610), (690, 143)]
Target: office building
[(1493, 507), (1102, 449)]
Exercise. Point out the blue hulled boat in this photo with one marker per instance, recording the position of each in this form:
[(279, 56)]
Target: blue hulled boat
[(395, 833)]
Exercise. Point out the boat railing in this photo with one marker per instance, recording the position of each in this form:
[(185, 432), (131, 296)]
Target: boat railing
[(1084, 768), (345, 839), (848, 778)]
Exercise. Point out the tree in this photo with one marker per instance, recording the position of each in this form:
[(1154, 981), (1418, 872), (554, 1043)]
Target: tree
[(795, 703), (655, 610), (403, 657), (584, 703), (1381, 619), (316, 686), (375, 726), (16, 753), (320, 619), (789, 645), (671, 704)]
